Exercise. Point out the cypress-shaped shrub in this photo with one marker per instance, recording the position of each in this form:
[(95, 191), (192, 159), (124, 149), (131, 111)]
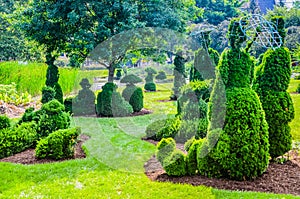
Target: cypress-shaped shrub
[(240, 149), (48, 94), (133, 94), (52, 77), (272, 79), (150, 85), (4, 122), (84, 102), (179, 76), (59, 144)]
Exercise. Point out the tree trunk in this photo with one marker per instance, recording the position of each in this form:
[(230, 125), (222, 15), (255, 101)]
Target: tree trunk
[(111, 73)]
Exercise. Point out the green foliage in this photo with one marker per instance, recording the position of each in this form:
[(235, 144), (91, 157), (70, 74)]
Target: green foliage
[(153, 128), (84, 102), (68, 103), (161, 75), (110, 103), (151, 86), (9, 94), (52, 118), (191, 158), (170, 128), (17, 139), (297, 77), (134, 95), (58, 93), (164, 149), (298, 88), (179, 76), (4, 122), (131, 79), (118, 74), (175, 164), (58, 145), (48, 94), (189, 143)]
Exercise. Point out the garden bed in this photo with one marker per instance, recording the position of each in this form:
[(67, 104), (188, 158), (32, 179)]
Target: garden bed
[(28, 156), (279, 178)]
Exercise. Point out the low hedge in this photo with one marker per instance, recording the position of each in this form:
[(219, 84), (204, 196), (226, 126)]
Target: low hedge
[(59, 144), (17, 139)]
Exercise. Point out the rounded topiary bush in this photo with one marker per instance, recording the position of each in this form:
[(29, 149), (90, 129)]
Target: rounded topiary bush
[(51, 118), (110, 103), (48, 94), (150, 86), (84, 102), (133, 94), (4, 122), (161, 75), (175, 164), (164, 149)]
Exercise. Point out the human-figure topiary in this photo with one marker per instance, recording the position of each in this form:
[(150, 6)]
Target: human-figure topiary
[(133, 94), (179, 75), (239, 148), (110, 103), (272, 79), (84, 102), (150, 85)]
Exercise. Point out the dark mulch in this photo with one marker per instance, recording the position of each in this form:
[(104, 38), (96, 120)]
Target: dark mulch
[(279, 178), (27, 157)]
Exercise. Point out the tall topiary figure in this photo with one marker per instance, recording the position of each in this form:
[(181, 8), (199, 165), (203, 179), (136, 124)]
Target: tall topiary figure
[(52, 77), (84, 102), (133, 94), (272, 79), (179, 75), (238, 148), (150, 85)]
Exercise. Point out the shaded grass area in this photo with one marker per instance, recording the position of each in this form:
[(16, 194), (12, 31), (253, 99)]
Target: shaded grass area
[(32, 77)]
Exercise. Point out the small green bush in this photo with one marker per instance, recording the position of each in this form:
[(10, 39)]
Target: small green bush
[(31, 115), (155, 127), (134, 95), (161, 75), (175, 164), (48, 94), (4, 122), (164, 149), (68, 104), (191, 158), (170, 129), (118, 74), (298, 88), (131, 79), (52, 118), (151, 86), (58, 93), (17, 139), (120, 107), (297, 77), (84, 102), (59, 144), (189, 143)]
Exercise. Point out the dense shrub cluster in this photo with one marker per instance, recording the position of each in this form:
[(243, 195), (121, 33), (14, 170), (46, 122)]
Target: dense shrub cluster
[(84, 102), (59, 144), (17, 139), (150, 85), (52, 79), (133, 94), (48, 94), (4, 122), (49, 118), (9, 94), (68, 103), (272, 79), (110, 103)]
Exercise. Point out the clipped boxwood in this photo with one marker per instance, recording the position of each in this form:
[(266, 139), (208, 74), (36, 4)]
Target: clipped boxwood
[(48, 94), (58, 145), (164, 149), (191, 158), (4, 122), (175, 164), (151, 86), (161, 75), (18, 139), (68, 104)]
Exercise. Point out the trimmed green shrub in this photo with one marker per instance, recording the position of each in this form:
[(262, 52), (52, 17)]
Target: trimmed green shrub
[(84, 102), (52, 79), (272, 79), (52, 118), (175, 164), (191, 158), (189, 143), (4, 122), (59, 144), (164, 149), (17, 139), (131, 79), (150, 85), (155, 127), (134, 95), (31, 115), (170, 129), (110, 103), (298, 88), (58, 93), (297, 77), (161, 75), (118, 74), (48, 94)]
